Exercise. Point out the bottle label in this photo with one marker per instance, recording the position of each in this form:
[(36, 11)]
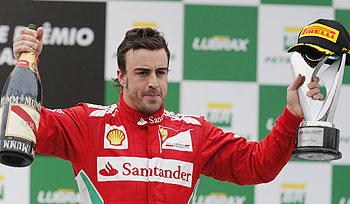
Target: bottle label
[(27, 59), (22, 121)]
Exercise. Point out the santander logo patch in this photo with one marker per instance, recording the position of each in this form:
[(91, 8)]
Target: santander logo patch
[(145, 170), (109, 170)]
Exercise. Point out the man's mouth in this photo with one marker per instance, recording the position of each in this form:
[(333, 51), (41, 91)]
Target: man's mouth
[(152, 96)]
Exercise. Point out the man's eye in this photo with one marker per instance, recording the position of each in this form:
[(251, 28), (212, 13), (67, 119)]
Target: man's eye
[(162, 72), (142, 73)]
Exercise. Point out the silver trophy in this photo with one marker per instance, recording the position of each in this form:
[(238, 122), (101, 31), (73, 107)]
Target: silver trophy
[(322, 50), (317, 137)]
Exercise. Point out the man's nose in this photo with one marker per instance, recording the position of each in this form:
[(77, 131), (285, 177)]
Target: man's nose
[(152, 81)]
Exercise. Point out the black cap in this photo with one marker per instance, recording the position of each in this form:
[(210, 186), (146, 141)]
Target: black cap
[(327, 36)]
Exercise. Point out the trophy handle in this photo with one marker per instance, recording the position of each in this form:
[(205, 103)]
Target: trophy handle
[(333, 78), (330, 75)]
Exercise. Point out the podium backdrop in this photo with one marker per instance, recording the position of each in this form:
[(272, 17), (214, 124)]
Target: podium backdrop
[(228, 63)]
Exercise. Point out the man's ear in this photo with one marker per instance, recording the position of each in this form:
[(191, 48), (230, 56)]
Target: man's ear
[(121, 78)]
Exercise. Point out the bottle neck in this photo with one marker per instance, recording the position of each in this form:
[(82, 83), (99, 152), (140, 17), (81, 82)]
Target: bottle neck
[(28, 59), (27, 56)]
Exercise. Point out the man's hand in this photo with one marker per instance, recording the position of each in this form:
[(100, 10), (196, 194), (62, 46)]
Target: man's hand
[(293, 104), (28, 41)]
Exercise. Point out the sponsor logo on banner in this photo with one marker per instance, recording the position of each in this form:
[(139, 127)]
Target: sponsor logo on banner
[(115, 137), (2, 188), (322, 31), (219, 198), (63, 196), (175, 139), (54, 35), (290, 38), (145, 170), (144, 24), (220, 114), (6, 57), (293, 193), (220, 43), (68, 36)]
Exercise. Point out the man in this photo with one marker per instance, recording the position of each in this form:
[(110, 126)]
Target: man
[(136, 152)]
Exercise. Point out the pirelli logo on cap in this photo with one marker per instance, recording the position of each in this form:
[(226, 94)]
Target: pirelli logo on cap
[(322, 31)]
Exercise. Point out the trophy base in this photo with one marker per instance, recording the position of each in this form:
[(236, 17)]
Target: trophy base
[(317, 143), (16, 152), (317, 154)]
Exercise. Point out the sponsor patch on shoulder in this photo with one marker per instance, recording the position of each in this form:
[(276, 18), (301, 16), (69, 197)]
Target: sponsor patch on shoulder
[(189, 119), (175, 140), (103, 110)]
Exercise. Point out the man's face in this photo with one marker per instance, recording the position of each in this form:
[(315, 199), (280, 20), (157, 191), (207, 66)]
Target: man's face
[(146, 79)]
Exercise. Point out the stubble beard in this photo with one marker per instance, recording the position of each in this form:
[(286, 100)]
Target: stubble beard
[(150, 107), (146, 108)]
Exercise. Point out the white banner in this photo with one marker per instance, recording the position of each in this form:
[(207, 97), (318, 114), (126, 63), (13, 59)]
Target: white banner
[(232, 106), (298, 182), (14, 185)]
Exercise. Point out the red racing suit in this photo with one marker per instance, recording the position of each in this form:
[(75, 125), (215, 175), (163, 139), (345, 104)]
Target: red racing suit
[(120, 155)]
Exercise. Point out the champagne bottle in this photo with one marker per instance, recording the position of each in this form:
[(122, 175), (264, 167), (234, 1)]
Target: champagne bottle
[(20, 106)]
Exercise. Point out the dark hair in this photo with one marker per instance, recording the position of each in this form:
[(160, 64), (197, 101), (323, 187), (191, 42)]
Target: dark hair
[(138, 38)]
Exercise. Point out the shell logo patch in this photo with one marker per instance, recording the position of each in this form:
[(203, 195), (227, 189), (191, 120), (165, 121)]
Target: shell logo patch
[(115, 137)]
